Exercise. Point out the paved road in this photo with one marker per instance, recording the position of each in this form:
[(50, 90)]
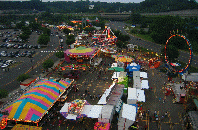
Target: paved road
[(184, 56), (8, 79)]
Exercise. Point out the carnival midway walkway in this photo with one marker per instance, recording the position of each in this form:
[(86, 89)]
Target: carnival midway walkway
[(157, 101)]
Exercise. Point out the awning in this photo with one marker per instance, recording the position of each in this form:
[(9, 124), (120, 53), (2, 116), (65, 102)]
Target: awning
[(129, 112), (95, 111)]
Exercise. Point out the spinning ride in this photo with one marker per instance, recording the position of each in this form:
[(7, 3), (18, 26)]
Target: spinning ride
[(170, 65)]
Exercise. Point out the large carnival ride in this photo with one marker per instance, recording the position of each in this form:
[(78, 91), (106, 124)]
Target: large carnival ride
[(172, 66)]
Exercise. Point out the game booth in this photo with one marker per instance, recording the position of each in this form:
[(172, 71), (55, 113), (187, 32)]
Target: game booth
[(31, 107), (131, 68), (179, 92), (80, 54)]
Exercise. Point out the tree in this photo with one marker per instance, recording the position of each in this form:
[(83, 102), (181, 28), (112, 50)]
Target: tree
[(66, 31), (48, 64), (23, 77), (20, 25), (60, 54), (161, 27), (70, 39), (3, 93), (26, 30), (24, 36), (136, 18), (46, 31), (43, 39), (121, 44), (121, 37), (34, 25), (89, 29)]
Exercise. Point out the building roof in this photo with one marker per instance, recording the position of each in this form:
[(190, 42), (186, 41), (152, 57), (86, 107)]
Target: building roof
[(193, 78), (194, 119)]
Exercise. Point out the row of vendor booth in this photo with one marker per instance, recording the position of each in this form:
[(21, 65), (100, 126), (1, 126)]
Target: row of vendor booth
[(127, 112)]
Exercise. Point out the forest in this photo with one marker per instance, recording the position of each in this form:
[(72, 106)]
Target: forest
[(149, 6)]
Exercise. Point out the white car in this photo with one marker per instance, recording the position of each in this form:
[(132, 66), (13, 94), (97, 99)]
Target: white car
[(10, 61), (4, 65)]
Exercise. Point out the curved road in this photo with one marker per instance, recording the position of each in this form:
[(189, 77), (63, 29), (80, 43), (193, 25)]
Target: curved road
[(184, 56)]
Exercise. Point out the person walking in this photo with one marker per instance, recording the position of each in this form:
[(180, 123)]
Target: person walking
[(86, 91), (155, 113), (94, 96), (166, 114), (148, 111)]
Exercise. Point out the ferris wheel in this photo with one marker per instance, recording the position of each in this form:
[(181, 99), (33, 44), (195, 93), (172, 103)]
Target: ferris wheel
[(171, 65)]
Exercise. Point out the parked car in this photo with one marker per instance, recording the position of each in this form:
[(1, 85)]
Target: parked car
[(25, 46), (33, 52), (20, 47), (11, 54), (16, 46), (23, 54), (30, 46), (4, 53), (29, 55), (10, 61), (37, 47), (5, 39), (9, 46)]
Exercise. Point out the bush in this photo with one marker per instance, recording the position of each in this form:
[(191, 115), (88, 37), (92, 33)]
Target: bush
[(23, 77), (3, 93), (134, 31), (48, 64), (60, 54), (43, 39), (142, 31)]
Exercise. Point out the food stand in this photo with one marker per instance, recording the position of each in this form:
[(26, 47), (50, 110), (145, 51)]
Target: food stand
[(72, 110)]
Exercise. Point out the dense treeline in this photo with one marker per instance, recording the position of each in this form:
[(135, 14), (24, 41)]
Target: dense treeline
[(167, 5), (83, 6)]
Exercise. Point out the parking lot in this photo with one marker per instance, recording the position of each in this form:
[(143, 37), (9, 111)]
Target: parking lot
[(12, 48), (26, 57)]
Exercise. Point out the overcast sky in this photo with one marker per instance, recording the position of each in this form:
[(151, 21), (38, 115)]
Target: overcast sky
[(122, 1)]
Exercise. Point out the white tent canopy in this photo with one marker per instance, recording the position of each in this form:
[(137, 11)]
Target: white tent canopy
[(102, 99), (143, 75), (71, 117), (65, 107), (129, 112), (95, 111), (86, 109), (132, 93), (115, 75), (114, 65), (132, 96), (133, 64), (144, 84), (107, 111), (140, 95)]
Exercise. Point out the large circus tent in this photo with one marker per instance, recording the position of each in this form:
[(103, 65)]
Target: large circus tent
[(35, 103)]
